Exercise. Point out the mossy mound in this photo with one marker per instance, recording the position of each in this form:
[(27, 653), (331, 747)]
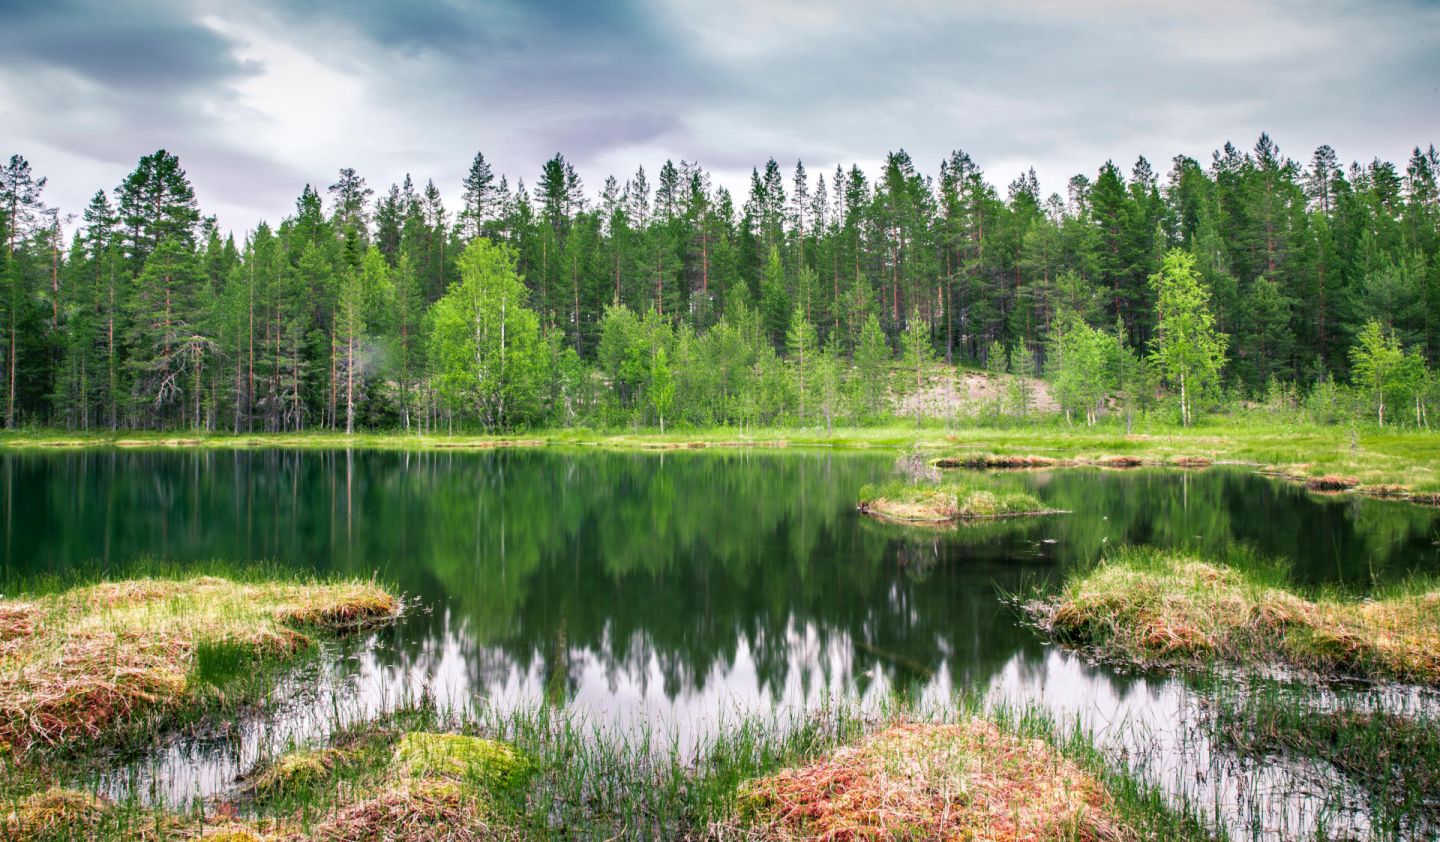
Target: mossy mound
[(493, 764), (295, 769), (423, 810)]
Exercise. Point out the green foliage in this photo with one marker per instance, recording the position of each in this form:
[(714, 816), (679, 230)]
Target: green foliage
[(872, 368), (918, 357), (489, 356), (1386, 372), (149, 317), (662, 386), (1081, 369), (801, 346), (1188, 351)]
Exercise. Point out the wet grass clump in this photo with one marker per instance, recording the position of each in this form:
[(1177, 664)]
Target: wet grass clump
[(1164, 608), (81, 666), (946, 501)]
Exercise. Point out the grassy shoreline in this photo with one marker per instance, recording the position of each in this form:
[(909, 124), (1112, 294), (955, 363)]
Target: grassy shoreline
[(1366, 460)]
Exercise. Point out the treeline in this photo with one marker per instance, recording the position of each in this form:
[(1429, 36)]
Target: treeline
[(677, 303)]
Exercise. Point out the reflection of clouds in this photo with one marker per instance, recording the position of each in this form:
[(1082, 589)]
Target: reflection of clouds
[(1155, 724)]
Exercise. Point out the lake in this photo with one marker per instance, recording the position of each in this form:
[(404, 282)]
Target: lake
[(671, 590)]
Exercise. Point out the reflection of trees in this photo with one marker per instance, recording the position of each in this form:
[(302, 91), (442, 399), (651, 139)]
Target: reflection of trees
[(557, 559), (1325, 539)]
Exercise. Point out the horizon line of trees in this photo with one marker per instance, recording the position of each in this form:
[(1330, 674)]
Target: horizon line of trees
[(678, 304)]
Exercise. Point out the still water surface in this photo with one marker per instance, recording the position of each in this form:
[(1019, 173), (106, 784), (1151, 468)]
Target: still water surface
[(670, 591)]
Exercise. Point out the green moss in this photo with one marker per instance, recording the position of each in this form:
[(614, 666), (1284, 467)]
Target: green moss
[(494, 764)]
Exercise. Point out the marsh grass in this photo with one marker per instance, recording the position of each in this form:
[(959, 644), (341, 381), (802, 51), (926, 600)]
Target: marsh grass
[(1159, 608), (87, 665), (1391, 751)]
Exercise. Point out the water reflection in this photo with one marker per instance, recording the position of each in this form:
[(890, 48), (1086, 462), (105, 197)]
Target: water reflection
[(669, 589)]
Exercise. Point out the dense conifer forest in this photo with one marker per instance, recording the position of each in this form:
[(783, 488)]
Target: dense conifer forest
[(664, 300)]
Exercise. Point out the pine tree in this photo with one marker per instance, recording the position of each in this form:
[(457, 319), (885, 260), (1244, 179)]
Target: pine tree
[(156, 204), (165, 342), (479, 199)]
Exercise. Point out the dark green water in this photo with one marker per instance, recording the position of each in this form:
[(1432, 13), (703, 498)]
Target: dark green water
[(671, 588)]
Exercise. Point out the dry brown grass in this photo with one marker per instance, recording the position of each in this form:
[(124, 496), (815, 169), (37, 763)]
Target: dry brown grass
[(77, 665), (965, 781)]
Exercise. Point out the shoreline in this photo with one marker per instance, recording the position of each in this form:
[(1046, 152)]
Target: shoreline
[(1378, 463)]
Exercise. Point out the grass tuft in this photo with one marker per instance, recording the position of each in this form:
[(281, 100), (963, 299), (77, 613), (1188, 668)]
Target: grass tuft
[(421, 810), (1393, 755)]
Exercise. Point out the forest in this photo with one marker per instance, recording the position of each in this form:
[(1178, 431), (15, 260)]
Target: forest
[(1250, 279)]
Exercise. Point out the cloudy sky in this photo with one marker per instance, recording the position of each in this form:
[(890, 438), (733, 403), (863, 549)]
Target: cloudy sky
[(258, 99)]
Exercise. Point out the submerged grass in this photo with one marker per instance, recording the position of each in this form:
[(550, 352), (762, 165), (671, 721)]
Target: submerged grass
[(1391, 751), (81, 666), (946, 501), (1165, 608)]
